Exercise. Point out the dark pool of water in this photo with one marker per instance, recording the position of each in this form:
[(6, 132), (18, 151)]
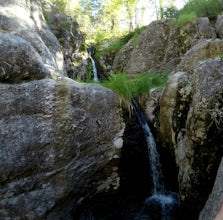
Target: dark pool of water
[(117, 206)]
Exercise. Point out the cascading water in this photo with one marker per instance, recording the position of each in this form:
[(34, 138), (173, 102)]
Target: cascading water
[(154, 158), (165, 200), (91, 52), (128, 204)]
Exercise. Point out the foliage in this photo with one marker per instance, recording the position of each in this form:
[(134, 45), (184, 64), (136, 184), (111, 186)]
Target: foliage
[(170, 12), (199, 8), (129, 87), (121, 41), (137, 32), (186, 18)]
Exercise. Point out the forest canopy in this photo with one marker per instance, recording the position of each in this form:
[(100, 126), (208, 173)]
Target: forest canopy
[(102, 20)]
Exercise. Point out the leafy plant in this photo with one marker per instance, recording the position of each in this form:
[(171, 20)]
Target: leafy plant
[(170, 12)]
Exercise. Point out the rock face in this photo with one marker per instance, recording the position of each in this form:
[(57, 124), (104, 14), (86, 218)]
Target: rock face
[(24, 19), (213, 206), (71, 40), (204, 49), (56, 144), (191, 124), (191, 106), (162, 44), (60, 140), (122, 58)]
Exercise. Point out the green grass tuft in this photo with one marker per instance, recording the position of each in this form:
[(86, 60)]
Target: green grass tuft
[(129, 87)]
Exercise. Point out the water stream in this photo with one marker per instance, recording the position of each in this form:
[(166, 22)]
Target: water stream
[(91, 51), (154, 157), (166, 201)]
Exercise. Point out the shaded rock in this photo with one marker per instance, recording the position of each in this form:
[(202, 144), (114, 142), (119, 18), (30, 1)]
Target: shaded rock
[(219, 26), (214, 202), (150, 105), (194, 129), (174, 107), (60, 143)]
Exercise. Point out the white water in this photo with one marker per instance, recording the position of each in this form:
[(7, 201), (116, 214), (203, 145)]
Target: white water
[(94, 68), (165, 200), (154, 158)]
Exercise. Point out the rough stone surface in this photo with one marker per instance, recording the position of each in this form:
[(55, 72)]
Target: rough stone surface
[(19, 61), (59, 143), (122, 57), (201, 51), (71, 39), (151, 106), (215, 200), (191, 124), (161, 46), (24, 19), (219, 26), (174, 105), (60, 140)]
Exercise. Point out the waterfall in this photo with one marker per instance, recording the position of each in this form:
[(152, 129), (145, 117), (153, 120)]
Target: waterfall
[(91, 52), (167, 201), (94, 69), (154, 158)]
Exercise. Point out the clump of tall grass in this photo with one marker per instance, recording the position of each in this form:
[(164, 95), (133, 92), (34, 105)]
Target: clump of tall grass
[(129, 87)]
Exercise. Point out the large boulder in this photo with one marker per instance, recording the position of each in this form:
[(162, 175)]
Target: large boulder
[(60, 143), (204, 49), (19, 60), (24, 19), (191, 124), (60, 140), (161, 46)]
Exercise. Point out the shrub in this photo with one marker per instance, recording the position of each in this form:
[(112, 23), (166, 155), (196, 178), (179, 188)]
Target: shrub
[(199, 8), (170, 12), (121, 41)]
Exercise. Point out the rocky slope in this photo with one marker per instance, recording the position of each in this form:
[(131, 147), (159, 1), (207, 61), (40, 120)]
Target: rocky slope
[(71, 39), (161, 46), (189, 112), (60, 141)]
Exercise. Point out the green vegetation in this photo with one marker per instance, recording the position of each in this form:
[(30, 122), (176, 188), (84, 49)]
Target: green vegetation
[(129, 87), (199, 8), (186, 18), (121, 41)]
